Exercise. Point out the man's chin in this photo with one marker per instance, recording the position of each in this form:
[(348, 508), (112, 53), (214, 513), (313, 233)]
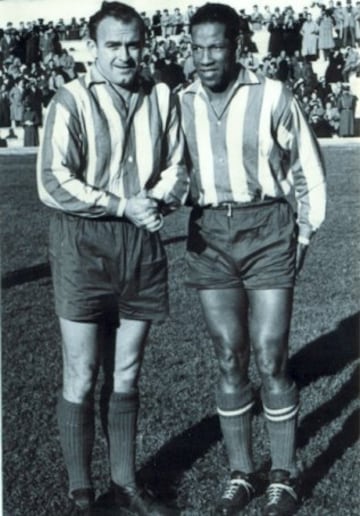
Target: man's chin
[(215, 86)]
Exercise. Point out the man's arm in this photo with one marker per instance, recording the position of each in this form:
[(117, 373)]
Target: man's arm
[(60, 174), (172, 187), (60, 168), (308, 174)]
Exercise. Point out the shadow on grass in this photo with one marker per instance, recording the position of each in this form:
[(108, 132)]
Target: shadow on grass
[(324, 414), (21, 276), (42, 270), (325, 356), (328, 354), (163, 471), (338, 444)]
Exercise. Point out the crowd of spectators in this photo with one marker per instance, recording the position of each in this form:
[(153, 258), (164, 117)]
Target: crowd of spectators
[(34, 62)]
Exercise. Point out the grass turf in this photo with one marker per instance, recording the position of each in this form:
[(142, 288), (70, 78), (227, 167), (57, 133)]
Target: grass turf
[(180, 452)]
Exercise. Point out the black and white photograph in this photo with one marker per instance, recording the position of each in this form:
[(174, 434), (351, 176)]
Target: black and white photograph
[(180, 278)]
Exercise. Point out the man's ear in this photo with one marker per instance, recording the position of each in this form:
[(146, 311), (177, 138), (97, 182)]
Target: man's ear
[(92, 47)]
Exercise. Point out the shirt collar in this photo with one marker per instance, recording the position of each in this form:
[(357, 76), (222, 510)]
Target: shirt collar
[(93, 76)]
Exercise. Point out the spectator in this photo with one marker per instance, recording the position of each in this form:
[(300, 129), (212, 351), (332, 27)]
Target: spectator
[(15, 67), (309, 32), (177, 22), (5, 121), (49, 43), (170, 72), (156, 24), (61, 29), (357, 22), (34, 98), (326, 31), (67, 64), (348, 25), (291, 36), (276, 39), (256, 19), (8, 42), (187, 16), (73, 29), (16, 97), (56, 79), (165, 23), (339, 23), (283, 67), (332, 116), (334, 69), (346, 105), (31, 124), (32, 47), (351, 63)]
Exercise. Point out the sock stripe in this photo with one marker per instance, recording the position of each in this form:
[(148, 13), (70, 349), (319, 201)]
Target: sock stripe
[(279, 415), (237, 412)]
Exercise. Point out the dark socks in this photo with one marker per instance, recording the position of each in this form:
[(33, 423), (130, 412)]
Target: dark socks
[(122, 419), (280, 411), (76, 426), (235, 419)]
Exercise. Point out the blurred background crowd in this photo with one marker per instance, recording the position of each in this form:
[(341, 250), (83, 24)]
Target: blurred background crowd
[(286, 44)]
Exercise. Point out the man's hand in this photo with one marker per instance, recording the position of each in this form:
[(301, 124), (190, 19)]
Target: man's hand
[(300, 257), (143, 212)]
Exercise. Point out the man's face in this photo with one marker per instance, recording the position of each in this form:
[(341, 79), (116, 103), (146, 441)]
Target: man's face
[(117, 50), (213, 55)]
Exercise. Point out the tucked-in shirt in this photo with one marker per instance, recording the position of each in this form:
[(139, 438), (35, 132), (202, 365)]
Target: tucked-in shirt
[(97, 151), (259, 147)]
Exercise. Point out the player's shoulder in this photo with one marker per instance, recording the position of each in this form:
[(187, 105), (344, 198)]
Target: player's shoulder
[(70, 93)]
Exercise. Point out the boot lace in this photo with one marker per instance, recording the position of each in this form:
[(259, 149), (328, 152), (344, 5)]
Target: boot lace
[(276, 490), (233, 488)]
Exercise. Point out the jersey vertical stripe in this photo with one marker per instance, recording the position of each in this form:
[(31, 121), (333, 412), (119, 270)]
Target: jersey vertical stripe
[(235, 132), (269, 147), (266, 177), (204, 143), (114, 144), (143, 144), (94, 155)]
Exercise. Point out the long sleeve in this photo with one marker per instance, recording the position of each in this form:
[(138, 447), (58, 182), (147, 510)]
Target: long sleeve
[(173, 184), (61, 165), (306, 167)]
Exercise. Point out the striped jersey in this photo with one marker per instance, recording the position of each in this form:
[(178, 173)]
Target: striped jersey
[(260, 146), (97, 151)]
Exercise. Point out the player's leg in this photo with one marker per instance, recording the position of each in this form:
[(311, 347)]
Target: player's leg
[(124, 400), (75, 407), (225, 312), (270, 314)]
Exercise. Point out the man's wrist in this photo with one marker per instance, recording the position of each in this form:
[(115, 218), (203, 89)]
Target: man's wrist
[(121, 208)]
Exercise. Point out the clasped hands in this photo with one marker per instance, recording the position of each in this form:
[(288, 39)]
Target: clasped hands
[(143, 212)]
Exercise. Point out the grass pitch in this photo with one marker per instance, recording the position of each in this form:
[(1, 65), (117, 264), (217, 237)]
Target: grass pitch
[(180, 452)]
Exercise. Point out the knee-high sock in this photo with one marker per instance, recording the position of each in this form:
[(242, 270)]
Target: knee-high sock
[(281, 411), (122, 419), (76, 426), (235, 420), (105, 395)]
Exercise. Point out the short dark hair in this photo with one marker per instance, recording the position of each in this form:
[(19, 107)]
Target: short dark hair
[(116, 10), (218, 13)]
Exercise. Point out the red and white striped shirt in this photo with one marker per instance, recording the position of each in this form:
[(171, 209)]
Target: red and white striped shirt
[(260, 146), (96, 152)]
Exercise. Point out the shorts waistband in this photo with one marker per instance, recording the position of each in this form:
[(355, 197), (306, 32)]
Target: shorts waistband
[(106, 218), (229, 207)]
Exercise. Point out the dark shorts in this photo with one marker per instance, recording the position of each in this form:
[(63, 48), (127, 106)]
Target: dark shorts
[(106, 269), (253, 248)]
